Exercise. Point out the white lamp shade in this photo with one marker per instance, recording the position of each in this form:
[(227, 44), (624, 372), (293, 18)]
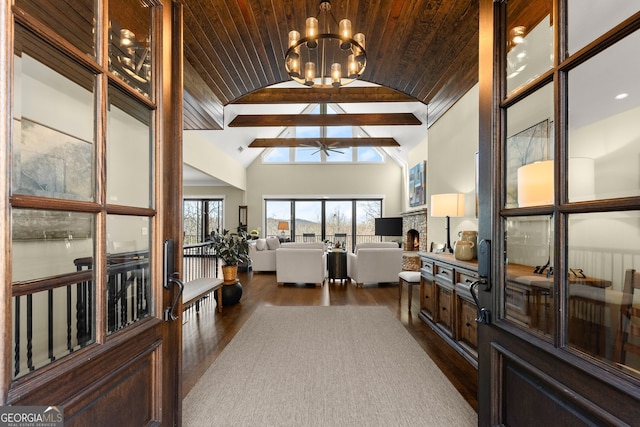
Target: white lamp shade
[(582, 180), (448, 204), (535, 184)]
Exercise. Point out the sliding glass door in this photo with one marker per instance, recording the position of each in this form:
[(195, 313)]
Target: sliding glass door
[(346, 220)]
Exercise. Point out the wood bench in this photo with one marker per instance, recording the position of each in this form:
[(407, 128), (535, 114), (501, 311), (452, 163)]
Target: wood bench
[(196, 290)]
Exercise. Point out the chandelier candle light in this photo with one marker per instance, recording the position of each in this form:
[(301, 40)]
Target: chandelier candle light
[(319, 49)]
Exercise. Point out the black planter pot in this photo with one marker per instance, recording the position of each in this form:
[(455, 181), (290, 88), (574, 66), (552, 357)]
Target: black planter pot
[(231, 294)]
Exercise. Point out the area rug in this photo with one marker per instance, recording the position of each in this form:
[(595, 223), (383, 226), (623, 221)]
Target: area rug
[(324, 366)]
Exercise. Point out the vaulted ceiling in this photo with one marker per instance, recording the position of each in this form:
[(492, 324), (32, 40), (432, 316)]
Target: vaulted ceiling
[(426, 49)]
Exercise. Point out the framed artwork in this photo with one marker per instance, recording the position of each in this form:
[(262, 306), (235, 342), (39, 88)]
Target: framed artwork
[(530, 145), (417, 184)]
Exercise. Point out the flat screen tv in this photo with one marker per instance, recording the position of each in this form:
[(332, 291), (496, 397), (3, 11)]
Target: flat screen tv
[(388, 226)]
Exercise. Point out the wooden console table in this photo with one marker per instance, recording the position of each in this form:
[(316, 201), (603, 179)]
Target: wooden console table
[(446, 303)]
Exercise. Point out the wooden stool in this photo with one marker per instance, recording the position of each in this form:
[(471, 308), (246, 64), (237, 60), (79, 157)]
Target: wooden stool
[(411, 278)]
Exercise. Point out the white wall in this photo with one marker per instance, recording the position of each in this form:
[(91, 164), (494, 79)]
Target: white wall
[(204, 156), (452, 144)]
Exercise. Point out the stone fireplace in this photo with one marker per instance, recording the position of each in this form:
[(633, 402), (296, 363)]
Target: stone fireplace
[(414, 230)]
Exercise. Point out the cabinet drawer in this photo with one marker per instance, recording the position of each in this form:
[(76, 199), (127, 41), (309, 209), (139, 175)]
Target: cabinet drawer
[(444, 307), (427, 296), (443, 273), (465, 277), (427, 269), (468, 327)]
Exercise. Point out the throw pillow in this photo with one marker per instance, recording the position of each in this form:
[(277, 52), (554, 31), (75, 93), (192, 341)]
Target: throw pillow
[(261, 244), (273, 243)]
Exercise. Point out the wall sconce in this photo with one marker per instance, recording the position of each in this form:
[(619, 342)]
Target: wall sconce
[(447, 205), (283, 226)]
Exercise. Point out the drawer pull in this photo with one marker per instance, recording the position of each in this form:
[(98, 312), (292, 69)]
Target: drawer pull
[(444, 308), (468, 324)]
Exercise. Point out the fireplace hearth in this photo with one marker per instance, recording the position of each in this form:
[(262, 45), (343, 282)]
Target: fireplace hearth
[(414, 230)]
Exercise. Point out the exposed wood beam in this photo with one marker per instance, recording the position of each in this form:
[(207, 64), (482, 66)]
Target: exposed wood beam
[(332, 142), (254, 120), (323, 95)]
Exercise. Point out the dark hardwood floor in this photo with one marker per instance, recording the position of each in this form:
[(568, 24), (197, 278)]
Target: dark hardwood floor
[(205, 334)]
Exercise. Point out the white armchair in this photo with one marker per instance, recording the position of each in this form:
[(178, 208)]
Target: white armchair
[(301, 263), (376, 262)]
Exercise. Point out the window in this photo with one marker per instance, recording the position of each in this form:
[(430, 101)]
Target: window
[(200, 218), (313, 153), (322, 220)]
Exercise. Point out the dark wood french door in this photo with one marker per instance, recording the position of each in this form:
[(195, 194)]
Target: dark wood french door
[(559, 204), (91, 143)]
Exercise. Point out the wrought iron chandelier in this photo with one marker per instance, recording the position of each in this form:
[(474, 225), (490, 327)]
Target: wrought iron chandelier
[(325, 54)]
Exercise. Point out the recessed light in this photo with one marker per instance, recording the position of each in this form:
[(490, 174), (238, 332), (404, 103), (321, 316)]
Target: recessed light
[(621, 96)]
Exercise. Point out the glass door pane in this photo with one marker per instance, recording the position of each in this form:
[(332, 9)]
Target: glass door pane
[(73, 20), (338, 220), (129, 151), (589, 19), (604, 287), (529, 151), (278, 221), (604, 131), (308, 221), (528, 285), (130, 44), (54, 119), (366, 213), (529, 41)]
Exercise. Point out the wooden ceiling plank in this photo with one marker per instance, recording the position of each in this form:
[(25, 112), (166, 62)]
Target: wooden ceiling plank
[(320, 95), (463, 21), (333, 142), (269, 120), (200, 51)]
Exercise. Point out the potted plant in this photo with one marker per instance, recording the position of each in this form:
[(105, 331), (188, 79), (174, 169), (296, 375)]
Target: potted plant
[(231, 248)]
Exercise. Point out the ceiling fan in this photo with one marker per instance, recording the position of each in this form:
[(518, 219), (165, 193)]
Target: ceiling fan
[(324, 147)]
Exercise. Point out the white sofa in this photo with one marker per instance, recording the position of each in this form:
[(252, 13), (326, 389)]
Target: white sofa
[(263, 254), (301, 263), (375, 262)]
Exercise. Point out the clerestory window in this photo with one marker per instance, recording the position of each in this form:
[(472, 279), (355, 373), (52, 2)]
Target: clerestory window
[(316, 153)]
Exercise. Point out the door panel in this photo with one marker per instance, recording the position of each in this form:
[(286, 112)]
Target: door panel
[(563, 257), (84, 296)]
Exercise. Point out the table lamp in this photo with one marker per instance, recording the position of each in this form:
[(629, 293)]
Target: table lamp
[(447, 205), (283, 226)]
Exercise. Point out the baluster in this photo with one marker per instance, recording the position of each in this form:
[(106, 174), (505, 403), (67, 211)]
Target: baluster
[(123, 299), (30, 332), (89, 311), (111, 301), (50, 324), (69, 345), (81, 314), (16, 356)]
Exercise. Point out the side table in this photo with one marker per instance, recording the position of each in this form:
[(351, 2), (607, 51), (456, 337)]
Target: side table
[(337, 265)]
